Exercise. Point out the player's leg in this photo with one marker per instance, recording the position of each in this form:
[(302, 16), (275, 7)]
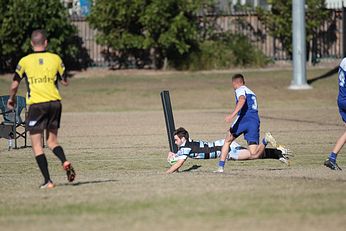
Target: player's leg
[(331, 161), (256, 150), (236, 130), (36, 143), (269, 153), (52, 142), (277, 154), (36, 123), (239, 154), (226, 146), (225, 150), (244, 154), (58, 151), (339, 143), (52, 139), (251, 135)]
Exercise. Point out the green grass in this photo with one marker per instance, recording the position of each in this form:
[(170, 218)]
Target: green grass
[(113, 132)]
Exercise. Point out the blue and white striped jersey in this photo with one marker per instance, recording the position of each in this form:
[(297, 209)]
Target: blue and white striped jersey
[(203, 149)]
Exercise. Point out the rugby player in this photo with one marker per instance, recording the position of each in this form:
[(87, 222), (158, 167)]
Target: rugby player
[(331, 161), (188, 148), (247, 122), (42, 70)]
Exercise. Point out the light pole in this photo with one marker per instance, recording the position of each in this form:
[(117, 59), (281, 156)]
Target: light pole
[(299, 46)]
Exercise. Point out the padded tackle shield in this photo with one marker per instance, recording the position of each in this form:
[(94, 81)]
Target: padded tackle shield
[(167, 109)]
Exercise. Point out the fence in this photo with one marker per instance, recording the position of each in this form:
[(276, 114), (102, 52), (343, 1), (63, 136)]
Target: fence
[(248, 24), (326, 43), (88, 36)]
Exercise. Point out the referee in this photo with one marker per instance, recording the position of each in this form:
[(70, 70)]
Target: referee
[(42, 71)]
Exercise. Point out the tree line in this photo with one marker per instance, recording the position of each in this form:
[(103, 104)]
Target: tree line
[(179, 34)]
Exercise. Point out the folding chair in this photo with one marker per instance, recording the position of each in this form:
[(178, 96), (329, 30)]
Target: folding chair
[(13, 127)]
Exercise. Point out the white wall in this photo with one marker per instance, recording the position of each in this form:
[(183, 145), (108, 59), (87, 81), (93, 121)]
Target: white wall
[(335, 4)]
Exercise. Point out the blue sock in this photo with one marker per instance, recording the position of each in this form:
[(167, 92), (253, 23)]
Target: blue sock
[(221, 163), (264, 141), (332, 157)]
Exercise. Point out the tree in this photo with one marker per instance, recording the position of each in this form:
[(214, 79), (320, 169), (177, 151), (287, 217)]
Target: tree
[(279, 20), (119, 28), (157, 29), (171, 28), (18, 18)]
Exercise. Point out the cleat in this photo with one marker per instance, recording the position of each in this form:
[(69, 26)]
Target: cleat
[(270, 139), (48, 185), (71, 175), (219, 170), (285, 161), (285, 151), (331, 165)]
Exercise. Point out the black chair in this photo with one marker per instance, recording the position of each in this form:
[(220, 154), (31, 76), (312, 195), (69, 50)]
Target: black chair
[(13, 126)]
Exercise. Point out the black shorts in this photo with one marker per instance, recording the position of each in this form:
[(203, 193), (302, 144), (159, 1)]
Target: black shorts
[(43, 116)]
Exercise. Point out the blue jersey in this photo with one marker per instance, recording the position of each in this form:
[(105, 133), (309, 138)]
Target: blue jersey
[(342, 90), (342, 85), (248, 121), (250, 107)]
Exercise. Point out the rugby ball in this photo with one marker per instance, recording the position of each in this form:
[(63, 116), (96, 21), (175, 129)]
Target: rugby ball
[(172, 160)]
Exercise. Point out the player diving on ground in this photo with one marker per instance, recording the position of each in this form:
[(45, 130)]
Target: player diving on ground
[(195, 149)]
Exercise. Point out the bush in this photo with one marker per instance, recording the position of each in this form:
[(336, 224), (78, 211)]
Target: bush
[(161, 29), (223, 51), (244, 52)]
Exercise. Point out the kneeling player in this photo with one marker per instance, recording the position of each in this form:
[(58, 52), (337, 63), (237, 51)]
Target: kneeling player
[(212, 150)]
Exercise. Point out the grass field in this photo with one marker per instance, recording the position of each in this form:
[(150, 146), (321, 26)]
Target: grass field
[(113, 132)]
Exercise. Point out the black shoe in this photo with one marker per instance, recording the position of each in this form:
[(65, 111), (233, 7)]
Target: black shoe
[(331, 165)]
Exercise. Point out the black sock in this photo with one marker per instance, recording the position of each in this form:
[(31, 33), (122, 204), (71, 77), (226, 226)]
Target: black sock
[(272, 153), (59, 152), (43, 165)]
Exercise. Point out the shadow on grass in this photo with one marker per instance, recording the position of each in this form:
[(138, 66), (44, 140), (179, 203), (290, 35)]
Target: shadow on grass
[(194, 167), (275, 169), (86, 182), (324, 76)]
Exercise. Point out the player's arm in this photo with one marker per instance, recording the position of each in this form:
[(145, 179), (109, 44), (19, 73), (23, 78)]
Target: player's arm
[(238, 107), (62, 76), (176, 166), (15, 85), (13, 91), (63, 79)]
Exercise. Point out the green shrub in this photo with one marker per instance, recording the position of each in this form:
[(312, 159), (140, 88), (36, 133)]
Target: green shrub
[(210, 55), (223, 51), (244, 52)]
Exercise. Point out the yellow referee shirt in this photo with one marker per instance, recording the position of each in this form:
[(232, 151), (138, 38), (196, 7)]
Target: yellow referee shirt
[(41, 71)]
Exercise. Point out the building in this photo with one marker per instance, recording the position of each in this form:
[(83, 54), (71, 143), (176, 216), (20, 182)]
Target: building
[(78, 7), (335, 4)]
